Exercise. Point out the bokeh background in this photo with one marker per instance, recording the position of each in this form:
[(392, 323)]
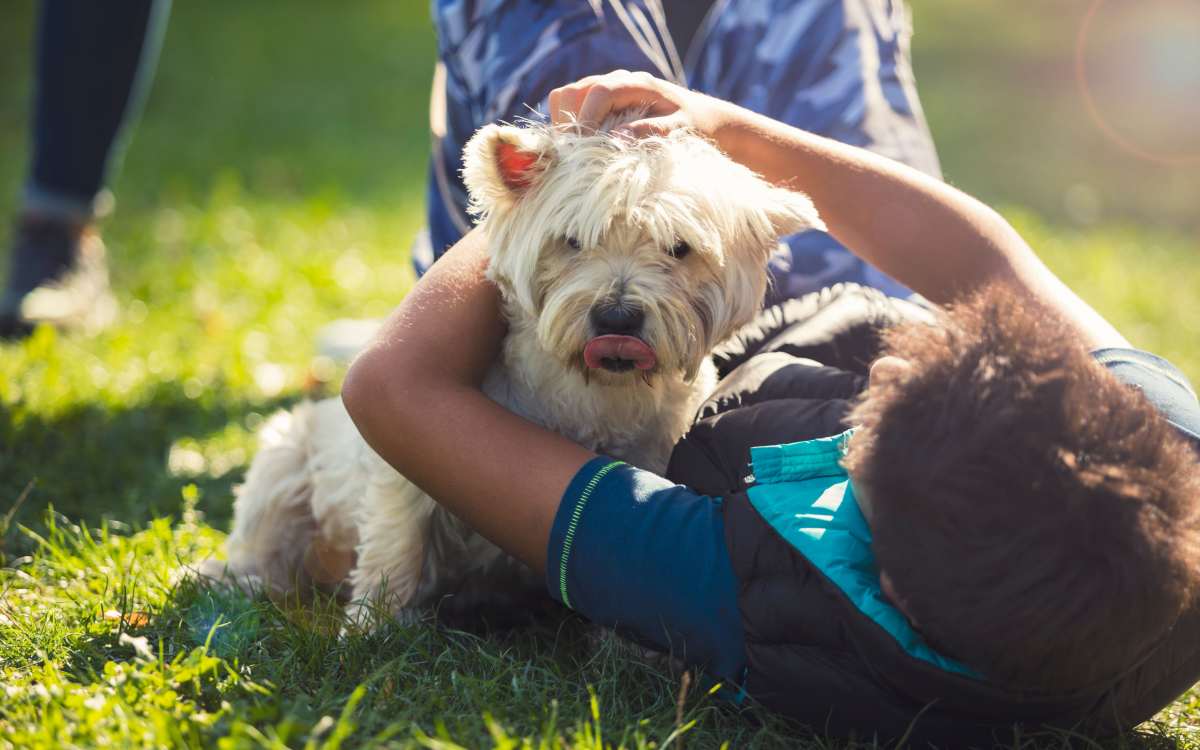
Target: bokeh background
[(274, 183)]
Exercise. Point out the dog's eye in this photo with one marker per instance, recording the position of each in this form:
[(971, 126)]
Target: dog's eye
[(680, 250), (572, 243)]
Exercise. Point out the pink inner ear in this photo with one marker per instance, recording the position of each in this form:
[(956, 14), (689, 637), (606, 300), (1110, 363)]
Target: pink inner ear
[(516, 166)]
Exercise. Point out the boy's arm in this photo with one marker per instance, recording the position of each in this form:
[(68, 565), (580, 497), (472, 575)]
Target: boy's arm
[(415, 396), (933, 238)]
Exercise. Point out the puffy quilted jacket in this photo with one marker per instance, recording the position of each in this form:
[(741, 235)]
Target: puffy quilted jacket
[(811, 653)]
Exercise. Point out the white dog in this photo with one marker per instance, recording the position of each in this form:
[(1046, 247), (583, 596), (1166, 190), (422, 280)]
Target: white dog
[(622, 263)]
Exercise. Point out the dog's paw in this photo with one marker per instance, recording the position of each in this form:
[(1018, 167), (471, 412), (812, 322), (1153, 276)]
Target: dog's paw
[(218, 574), (358, 618), (364, 617)]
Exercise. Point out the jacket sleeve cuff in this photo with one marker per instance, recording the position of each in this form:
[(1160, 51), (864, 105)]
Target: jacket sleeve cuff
[(566, 523)]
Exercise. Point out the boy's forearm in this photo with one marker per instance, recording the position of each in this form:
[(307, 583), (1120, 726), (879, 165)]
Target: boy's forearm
[(500, 474), (937, 240), (415, 397)]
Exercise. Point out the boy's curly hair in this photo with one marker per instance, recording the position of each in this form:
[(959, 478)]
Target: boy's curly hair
[(1036, 518)]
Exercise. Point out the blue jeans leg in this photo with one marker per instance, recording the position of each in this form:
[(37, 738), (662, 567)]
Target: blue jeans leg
[(94, 63)]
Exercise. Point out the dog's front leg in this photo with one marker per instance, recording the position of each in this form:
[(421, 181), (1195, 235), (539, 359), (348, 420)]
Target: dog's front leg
[(393, 532)]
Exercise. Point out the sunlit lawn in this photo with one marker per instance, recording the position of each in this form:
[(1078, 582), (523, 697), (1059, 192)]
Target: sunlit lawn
[(275, 184)]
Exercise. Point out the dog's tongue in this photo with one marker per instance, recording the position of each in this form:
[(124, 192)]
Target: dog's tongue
[(619, 347)]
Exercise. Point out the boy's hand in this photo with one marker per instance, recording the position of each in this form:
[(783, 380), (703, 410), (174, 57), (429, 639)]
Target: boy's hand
[(590, 100)]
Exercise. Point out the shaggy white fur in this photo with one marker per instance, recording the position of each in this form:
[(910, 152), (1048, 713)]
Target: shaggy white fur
[(666, 229)]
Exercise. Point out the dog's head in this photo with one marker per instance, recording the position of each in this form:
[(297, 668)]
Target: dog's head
[(626, 256)]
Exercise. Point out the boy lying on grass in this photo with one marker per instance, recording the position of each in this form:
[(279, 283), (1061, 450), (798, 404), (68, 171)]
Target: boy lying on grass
[(1008, 532)]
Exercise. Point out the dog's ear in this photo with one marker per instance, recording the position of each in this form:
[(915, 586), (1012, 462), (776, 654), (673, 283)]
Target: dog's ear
[(517, 167), (791, 211), (501, 163)]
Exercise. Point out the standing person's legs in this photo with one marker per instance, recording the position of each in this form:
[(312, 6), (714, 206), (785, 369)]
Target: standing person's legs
[(93, 64)]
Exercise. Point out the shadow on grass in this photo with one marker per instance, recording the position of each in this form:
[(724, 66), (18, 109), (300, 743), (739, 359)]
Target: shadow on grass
[(415, 674), (1140, 741), (96, 461)]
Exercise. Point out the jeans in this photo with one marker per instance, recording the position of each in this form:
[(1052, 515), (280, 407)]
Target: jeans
[(94, 63)]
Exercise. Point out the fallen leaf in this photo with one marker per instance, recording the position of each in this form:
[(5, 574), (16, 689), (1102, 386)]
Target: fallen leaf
[(133, 619)]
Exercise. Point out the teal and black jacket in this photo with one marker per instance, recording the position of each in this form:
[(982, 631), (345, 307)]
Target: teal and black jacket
[(761, 570)]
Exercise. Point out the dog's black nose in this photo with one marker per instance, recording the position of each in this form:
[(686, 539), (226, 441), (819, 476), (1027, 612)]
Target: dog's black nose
[(618, 320)]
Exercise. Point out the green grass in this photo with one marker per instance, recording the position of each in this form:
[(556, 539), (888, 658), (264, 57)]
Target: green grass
[(82, 663), (274, 184)]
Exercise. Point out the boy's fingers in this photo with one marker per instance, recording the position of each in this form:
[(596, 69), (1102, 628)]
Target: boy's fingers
[(597, 104), (564, 103), (590, 100), (656, 126), (602, 101)]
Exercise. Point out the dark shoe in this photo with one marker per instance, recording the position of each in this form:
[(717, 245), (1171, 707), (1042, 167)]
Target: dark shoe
[(57, 275)]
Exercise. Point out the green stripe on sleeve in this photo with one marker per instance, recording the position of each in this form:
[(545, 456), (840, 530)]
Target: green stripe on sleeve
[(576, 514)]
